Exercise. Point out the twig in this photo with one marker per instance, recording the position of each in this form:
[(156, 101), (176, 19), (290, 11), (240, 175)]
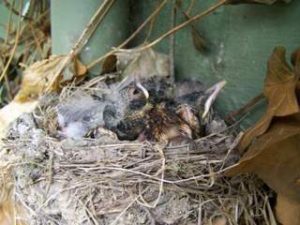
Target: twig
[(9, 93), (170, 32), (91, 26), (184, 24), (151, 25), (244, 109), (4, 72), (88, 212), (36, 40), (141, 27), (163, 165), (50, 173)]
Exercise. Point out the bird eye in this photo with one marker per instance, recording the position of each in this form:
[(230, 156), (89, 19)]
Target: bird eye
[(86, 118), (136, 91)]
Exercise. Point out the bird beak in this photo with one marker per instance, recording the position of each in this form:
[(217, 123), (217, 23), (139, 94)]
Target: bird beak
[(143, 89), (124, 83), (213, 93)]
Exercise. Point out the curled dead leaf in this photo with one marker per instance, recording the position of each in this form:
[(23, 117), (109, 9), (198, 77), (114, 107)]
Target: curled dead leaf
[(198, 40), (79, 69), (280, 91), (273, 142), (138, 64), (38, 77), (287, 211), (275, 157), (109, 65), (200, 43)]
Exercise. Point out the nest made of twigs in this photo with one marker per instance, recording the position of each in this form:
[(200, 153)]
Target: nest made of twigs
[(107, 181)]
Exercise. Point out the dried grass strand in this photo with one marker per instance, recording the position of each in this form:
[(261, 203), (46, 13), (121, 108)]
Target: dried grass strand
[(132, 36)]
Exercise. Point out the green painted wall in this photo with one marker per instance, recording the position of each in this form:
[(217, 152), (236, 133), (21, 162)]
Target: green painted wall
[(241, 38)]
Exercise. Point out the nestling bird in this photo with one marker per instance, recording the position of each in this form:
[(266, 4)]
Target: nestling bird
[(152, 115), (79, 114), (123, 115), (194, 103), (147, 109), (163, 116), (141, 96)]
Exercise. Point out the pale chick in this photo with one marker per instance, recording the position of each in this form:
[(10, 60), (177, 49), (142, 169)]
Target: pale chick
[(194, 105), (82, 112), (79, 114)]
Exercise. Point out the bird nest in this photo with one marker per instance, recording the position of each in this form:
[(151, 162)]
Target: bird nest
[(107, 181)]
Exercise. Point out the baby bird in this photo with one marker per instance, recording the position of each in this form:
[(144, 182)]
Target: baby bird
[(194, 103), (79, 114), (141, 95), (83, 112), (124, 114), (157, 113), (163, 125)]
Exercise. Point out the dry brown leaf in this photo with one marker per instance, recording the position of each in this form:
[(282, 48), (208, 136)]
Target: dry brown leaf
[(8, 212), (140, 64), (37, 78), (77, 68), (279, 89), (274, 141), (275, 157), (199, 42), (287, 211)]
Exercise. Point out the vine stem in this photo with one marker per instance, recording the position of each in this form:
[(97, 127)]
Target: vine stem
[(141, 27), (170, 32)]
